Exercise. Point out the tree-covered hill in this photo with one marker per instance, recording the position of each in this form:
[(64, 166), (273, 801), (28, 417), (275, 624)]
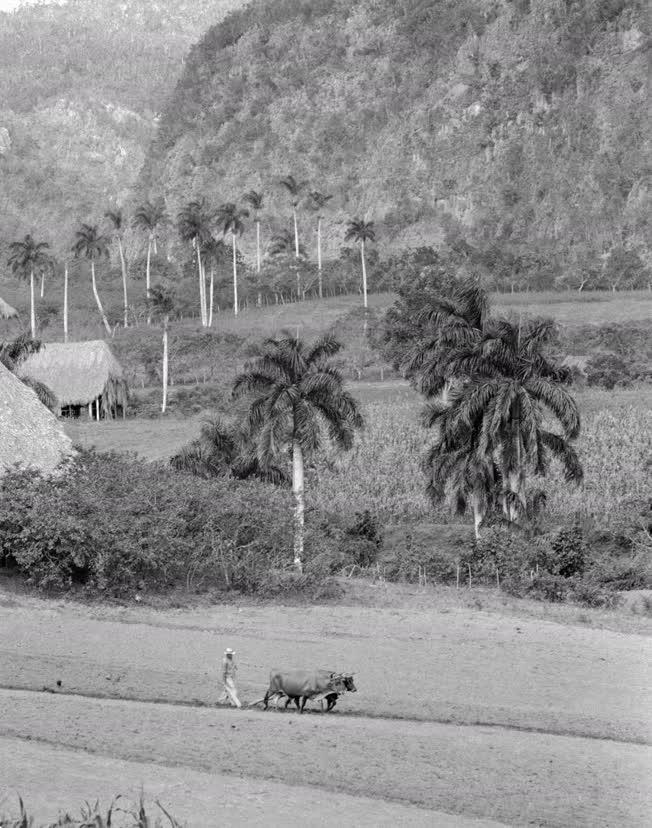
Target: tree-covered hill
[(81, 85), (520, 123)]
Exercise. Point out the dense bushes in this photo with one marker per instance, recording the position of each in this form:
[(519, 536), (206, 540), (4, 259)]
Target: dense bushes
[(112, 523)]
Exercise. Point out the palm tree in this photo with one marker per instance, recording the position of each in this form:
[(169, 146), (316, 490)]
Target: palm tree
[(117, 220), (294, 389), (91, 245), (65, 301), (510, 391), (318, 201), (148, 218), (463, 478), (226, 449), (294, 189), (161, 300), (193, 223), (448, 323), (231, 219), (255, 200), (361, 231), (25, 257), (213, 253)]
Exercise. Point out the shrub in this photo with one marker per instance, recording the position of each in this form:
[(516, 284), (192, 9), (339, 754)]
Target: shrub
[(501, 550), (112, 523), (590, 593), (566, 553)]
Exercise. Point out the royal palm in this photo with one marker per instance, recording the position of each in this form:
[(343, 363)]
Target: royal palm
[(509, 391), (231, 218), (317, 202), (148, 218), (161, 302), (193, 224), (27, 256), (255, 200), (294, 189), (117, 221), (361, 232), (294, 392), (91, 245)]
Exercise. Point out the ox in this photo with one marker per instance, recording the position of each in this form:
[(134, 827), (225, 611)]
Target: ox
[(301, 685)]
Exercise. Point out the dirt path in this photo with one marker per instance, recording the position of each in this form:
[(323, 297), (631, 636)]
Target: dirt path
[(58, 778), (585, 695), (511, 777), (445, 666)]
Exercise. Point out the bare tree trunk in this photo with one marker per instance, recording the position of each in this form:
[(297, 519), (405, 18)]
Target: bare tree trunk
[(123, 267), (210, 298), (148, 278), (164, 404), (105, 321), (258, 246), (296, 232), (65, 302), (32, 313), (42, 284), (235, 276), (297, 489), (321, 294)]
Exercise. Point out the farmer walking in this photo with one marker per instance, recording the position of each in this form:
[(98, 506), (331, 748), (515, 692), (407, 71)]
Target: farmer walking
[(229, 670)]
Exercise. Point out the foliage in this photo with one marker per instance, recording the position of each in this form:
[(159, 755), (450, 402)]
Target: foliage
[(112, 524), (292, 390), (93, 816)]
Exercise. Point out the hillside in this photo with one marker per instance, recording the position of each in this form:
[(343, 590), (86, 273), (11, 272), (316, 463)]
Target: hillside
[(81, 86), (520, 123)]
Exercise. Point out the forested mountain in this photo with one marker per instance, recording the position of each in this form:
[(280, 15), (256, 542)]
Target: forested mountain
[(514, 123), (81, 84)]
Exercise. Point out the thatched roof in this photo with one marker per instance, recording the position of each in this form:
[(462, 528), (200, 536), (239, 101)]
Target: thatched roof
[(29, 433), (78, 372), (6, 311)]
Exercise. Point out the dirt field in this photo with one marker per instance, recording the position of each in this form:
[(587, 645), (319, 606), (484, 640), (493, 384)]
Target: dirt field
[(475, 714)]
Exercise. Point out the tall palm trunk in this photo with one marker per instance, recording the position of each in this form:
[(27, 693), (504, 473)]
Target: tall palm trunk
[(105, 321), (123, 268), (235, 276), (210, 298), (65, 303), (297, 489), (165, 365), (364, 288), (259, 298), (202, 285), (42, 284), (148, 277), (477, 507), (321, 293), (296, 232), (32, 313)]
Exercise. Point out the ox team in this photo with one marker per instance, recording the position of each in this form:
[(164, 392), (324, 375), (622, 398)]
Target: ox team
[(293, 685)]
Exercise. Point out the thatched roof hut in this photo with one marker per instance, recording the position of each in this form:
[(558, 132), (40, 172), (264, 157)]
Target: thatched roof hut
[(6, 311), (82, 375), (29, 433)]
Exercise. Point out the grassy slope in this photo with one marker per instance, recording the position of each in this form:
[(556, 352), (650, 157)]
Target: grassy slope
[(196, 355)]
